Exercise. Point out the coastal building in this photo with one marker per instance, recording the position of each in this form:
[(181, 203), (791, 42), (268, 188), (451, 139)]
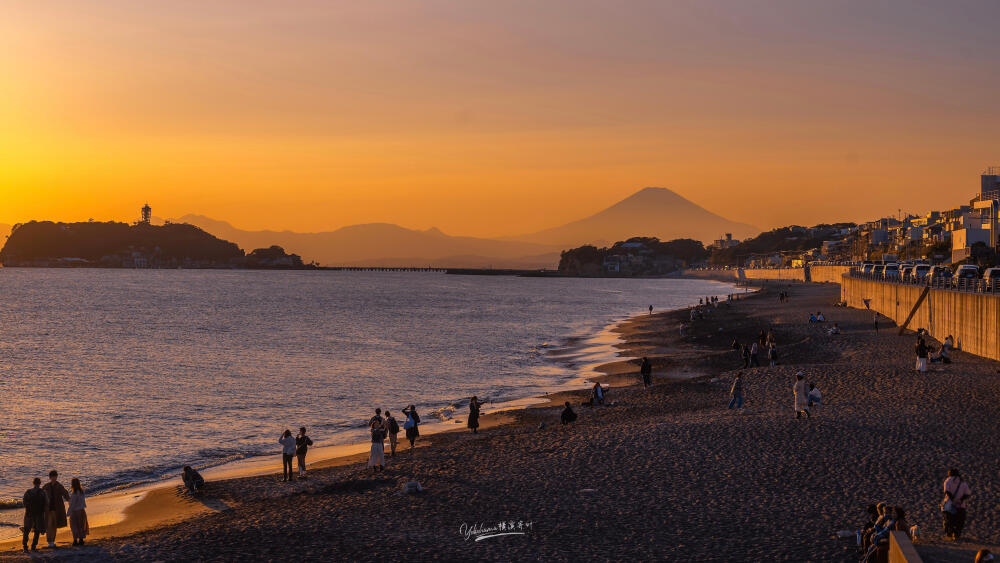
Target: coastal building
[(990, 183), (725, 242)]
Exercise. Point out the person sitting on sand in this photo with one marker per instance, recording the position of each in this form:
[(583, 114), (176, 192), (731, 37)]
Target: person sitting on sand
[(193, 480), (77, 513), (812, 317), (815, 397), (646, 370), (736, 393), (302, 443), (474, 407), (392, 428), (287, 442), (801, 395), (835, 329), (567, 415), (597, 394), (819, 317), (411, 425), (35, 503)]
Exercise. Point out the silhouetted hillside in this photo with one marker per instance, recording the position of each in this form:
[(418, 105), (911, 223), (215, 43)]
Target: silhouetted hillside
[(637, 256), (651, 212), (116, 244)]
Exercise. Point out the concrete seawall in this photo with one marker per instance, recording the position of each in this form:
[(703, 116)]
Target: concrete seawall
[(782, 274), (827, 274), (973, 319)]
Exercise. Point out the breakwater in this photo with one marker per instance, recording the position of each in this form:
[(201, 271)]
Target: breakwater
[(973, 319)]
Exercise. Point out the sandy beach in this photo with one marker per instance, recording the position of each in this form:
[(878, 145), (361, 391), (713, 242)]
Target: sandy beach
[(665, 473)]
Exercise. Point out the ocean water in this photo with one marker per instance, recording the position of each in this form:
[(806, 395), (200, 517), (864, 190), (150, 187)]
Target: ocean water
[(122, 376)]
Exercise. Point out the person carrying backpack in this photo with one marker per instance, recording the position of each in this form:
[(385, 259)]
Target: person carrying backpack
[(411, 425)]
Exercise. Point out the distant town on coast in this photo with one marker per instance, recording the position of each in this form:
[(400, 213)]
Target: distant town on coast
[(964, 233)]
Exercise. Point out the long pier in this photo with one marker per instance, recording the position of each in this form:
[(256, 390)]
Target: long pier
[(385, 269)]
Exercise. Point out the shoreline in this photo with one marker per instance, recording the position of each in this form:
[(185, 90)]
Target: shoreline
[(135, 508)]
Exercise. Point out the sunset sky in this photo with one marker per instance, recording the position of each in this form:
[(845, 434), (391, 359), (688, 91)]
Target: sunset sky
[(492, 117)]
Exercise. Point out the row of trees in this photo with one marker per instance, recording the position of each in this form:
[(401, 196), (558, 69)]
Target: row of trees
[(635, 256)]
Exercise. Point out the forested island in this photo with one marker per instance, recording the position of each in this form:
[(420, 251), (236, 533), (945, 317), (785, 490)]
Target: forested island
[(141, 245), (637, 256)]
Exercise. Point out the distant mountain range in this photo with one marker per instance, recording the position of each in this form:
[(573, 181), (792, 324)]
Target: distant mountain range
[(655, 212), (651, 212), (384, 244)]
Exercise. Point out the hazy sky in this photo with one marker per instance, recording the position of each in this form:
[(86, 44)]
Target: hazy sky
[(492, 117)]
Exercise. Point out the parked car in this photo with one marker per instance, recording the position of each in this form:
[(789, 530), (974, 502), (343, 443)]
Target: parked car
[(891, 271), (867, 267), (967, 271), (991, 274), (878, 270), (920, 271), (906, 273), (940, 272)]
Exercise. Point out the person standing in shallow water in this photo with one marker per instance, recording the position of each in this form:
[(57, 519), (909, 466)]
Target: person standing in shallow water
[(77, 513), (474, 407), (35, 507), (287, 442), (411, 425), (801, 393), (646, 370)]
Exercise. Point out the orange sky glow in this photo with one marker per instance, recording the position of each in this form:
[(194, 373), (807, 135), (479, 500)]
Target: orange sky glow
[(492, 118)]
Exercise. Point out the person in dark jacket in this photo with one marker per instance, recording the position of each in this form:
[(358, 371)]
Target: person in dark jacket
[(55, 515), (567, 414), (302, 443), (474, 407), (35, 504), (646, 369), (411, 425)]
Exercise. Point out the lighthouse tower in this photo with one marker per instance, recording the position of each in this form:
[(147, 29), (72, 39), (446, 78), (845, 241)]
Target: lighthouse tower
[(147, 214)]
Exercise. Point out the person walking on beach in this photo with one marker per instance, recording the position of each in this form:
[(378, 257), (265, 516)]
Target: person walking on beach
[(923, 352), (772, 355), (754, 355), (745, 351), (302, 443), (474, 406), (35, 507), (801, 395), (193, 481), (650, 309), (412, 425), (736, 393), (55, 511), (875, 321), (78, 513), (377, 458), (567, 415), (287, 442), (956, 493), (646, 370), (392, 427)]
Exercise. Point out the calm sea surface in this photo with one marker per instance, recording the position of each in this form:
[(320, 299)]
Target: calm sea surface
[(121, 376)]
